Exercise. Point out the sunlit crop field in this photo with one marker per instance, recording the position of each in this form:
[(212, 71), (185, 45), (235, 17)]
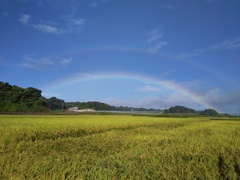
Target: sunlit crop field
[(118, 147)]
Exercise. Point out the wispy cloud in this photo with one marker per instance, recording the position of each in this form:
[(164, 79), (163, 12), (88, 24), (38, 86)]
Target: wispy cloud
[(24, 19), (32, 62), (155, 42), (96, 3), (69, 24), (225, 102), (65, 61), (228, 44), (148, 88), (228, 102), (73, 23), (47, 28), (77, 21)]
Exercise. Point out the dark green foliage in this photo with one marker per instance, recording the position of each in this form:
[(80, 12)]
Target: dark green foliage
[(180, 109), (17, 99), (209, 112), (55, 104)]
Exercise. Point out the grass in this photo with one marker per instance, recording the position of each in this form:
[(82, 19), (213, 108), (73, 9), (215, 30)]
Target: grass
[(118, 147)]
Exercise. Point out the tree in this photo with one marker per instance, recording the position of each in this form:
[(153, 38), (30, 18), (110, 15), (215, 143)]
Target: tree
[(180, 109), (17, 99), (55, 104), (209, 112)]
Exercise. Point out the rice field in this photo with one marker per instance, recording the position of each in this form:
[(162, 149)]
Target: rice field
[(118, 147)]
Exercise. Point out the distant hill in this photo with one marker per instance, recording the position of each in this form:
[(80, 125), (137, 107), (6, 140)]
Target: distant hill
[(185, 110), (209, 112), (180, 109)]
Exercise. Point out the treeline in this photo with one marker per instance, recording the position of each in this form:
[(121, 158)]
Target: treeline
[(17, 99), (103, 106), (185, 110)]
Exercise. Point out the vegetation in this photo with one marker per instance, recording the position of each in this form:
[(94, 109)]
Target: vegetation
[(104, 107), (55, 104), (16, 99), (118, 147), (209, 112), (185, 110), (179, 109)]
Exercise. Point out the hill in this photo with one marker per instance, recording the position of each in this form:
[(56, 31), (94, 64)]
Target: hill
[(185, 110)]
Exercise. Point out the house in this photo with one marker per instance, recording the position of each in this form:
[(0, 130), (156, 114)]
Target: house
[(73, 109)]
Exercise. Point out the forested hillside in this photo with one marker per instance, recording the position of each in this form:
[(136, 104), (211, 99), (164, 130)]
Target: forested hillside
[(17, 99)]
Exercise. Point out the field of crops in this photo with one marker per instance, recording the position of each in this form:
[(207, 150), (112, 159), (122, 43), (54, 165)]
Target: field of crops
[(118, 147)]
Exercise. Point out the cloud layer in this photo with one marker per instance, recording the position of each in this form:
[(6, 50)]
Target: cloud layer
[(69, 24), (154, 40), (32, 62), (227, 44)]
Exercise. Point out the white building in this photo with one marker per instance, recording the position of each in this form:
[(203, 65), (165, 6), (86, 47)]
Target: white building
[(87, 110), (73, 109)]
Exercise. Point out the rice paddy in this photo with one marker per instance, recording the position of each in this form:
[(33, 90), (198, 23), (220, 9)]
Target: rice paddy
[(118, 147)]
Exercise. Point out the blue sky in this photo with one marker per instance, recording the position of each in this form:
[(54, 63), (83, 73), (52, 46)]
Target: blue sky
[(140, 53)]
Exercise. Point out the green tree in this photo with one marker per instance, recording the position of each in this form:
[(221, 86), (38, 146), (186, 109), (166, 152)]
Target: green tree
[(55, 104), (209, 112)]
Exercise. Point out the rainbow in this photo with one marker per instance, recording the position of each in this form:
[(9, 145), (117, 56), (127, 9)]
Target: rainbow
[(85, 77), (146, 52)]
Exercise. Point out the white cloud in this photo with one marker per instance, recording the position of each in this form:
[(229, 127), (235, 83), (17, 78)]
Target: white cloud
[(227, 102), (73, 23), (96, 3), (154, 39), (228, 44), (25, 19), (149, 88), (154, 36), (162, 98), (47, 28), (65, 61), (70, 24), (77, 21), (32, 62), (157, 46), (169, 101)]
